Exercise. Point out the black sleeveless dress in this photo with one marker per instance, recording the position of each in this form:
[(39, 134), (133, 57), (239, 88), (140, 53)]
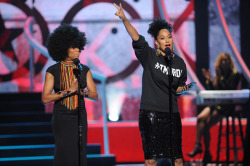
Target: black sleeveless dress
[(65, 116)]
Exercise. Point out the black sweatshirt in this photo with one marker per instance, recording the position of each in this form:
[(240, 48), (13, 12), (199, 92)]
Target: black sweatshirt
[(155, 79)]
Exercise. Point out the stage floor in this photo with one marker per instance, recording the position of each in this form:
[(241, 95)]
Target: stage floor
[(125, 140)]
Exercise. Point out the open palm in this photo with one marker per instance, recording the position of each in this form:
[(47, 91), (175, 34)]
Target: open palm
[(206, 74)]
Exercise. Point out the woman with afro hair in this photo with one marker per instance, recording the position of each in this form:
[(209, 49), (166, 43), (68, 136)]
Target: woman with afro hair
[(64, 45), (154, 113)]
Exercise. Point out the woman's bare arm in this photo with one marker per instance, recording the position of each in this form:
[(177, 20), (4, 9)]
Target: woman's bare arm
[(48, 96), (91, 92), (130, 29)]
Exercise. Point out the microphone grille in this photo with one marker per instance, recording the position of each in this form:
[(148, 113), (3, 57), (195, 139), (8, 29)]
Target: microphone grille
[(168, 51), (76, 61)]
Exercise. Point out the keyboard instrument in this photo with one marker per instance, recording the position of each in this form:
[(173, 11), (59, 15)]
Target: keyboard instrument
[(214, 97)]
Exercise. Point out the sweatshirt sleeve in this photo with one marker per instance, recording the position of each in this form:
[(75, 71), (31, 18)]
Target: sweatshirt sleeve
[(141, 49), (183, 78)]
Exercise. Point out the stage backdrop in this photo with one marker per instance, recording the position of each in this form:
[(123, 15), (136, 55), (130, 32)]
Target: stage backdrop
[(108, 51), (218, 41)]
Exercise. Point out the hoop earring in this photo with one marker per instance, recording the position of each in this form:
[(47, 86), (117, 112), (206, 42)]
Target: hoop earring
[(158, 50)]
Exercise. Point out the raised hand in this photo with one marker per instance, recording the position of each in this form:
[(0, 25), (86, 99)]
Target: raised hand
[(218, 72), (120, 12), (206, 74), (130, 29)]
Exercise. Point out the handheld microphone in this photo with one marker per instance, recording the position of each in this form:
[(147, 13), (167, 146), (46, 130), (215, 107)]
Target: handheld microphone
[(190, 85), (169, 53), (76, 61)]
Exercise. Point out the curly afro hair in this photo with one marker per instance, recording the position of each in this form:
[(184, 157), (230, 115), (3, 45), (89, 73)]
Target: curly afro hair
[(64, 37), (157, 25)]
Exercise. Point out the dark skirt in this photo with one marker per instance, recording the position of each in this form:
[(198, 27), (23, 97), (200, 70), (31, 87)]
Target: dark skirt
[(156, 137), (65, 129)]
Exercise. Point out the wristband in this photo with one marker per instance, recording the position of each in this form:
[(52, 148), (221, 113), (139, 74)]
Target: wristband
[(85, 94), (208, 81), (60, 94), (67, 93)]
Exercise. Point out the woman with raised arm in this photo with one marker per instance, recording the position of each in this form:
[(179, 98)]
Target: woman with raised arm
[(154, 107), (64, 45)]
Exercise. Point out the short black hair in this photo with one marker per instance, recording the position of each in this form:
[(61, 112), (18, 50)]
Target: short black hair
[(157, 25), (64, 37)]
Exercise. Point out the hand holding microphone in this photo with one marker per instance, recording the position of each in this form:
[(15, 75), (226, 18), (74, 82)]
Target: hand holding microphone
[(187, 87)]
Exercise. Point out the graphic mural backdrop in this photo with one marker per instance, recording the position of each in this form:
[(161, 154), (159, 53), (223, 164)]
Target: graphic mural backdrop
[(108, 51)]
